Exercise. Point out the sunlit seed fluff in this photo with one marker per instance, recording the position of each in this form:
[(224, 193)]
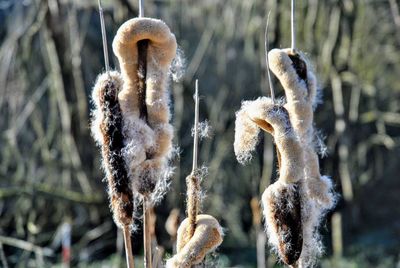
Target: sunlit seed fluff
[(107, 130), (300, 86), (299, 83), (148, 143), (282, 201), (191, 250)]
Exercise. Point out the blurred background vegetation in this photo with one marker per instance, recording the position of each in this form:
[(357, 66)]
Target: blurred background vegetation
[(50, 176)]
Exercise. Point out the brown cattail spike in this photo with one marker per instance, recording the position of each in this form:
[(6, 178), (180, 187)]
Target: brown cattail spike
[(193, 200), (299, 83), (107, 130)]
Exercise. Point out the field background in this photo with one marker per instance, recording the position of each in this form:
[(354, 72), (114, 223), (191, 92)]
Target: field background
[(50, 174)]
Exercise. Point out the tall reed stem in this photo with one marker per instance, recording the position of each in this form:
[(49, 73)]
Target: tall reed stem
[(192, 181), (293, 24), (128, 248), (266, 42), (146, 233)]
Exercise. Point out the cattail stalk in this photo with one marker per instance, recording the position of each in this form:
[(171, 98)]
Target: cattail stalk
[(104, 39), (193, 180), (266, 41), (128, 247), (293, 25), (281, 201), (146, 233)]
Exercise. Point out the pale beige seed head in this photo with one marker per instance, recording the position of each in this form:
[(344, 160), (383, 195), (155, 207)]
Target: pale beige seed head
[(149, 140), (191, 251), (299, 83)]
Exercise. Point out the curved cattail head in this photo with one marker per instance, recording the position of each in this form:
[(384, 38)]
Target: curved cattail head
[(191, 250), (107, 131), (282, 200), (160, 53), (145, 106), (246, 136), (273, 118), (299, 83)]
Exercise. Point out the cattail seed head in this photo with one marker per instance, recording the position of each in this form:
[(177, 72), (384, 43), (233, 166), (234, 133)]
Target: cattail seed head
[(299, 83), (191, 250), (107, 130), (282, 210), (148, 134)]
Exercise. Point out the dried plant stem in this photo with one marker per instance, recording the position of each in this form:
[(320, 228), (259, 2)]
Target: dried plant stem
[(196, 126), (293, 25), (104, 38), (141, 8), (193, 185), (130, 263), (146, 233), (193, 182), (266, 41)]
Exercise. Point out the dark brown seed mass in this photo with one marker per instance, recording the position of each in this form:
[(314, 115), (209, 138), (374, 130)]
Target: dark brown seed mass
[(287, 214), (299, 65)]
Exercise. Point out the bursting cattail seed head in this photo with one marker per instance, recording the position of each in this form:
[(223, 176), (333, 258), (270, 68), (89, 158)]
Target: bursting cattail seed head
[(300, 86), (282, 200), (107, 130), (191, 250), (295, 204), (148, 141)]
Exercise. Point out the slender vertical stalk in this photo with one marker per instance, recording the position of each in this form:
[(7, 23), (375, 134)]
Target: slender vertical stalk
[(141, 8), (196, 126), (104, 38), (192, 181), (128, 247), (146, 233), (293, 25), (266, 41)]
